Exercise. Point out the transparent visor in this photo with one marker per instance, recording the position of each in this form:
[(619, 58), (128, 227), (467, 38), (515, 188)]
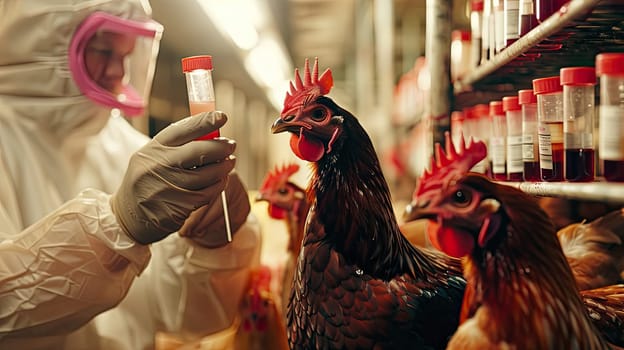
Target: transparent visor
[(112, 60)]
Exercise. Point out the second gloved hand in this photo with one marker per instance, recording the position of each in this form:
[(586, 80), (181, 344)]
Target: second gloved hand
[(206, 225), (171, 176)]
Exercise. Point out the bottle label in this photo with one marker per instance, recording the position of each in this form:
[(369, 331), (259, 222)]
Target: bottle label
[(545, 151), (497, 145), (611, 133), (514, 154), (528, 149), (512, 9)]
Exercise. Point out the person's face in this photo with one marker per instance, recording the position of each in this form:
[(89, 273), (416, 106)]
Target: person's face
[(104, 59)]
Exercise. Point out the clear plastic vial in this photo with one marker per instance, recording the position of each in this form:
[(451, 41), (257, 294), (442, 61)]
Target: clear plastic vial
[(476, 28), (497, 148), (530, 146), (198, 73), (610, 69), (513, 116), (550, 127), (578, 123)]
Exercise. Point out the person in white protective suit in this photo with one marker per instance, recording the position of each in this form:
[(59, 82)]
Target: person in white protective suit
[(88, 204)]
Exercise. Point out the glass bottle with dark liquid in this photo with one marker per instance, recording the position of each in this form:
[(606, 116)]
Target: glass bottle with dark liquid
[(610, 69), (530, 154), (550, 127), (578, 122)]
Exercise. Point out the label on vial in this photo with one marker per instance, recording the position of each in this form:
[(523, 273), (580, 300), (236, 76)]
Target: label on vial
[(512, 8), (545, 151), (611, 133), (514, 154), (497, 144), (528, 150)]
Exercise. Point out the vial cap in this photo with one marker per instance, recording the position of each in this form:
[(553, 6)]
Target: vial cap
[(476, 5), (496, 108), (457, 116), (578, 76), (481, 110), (196, 62), (526, 96), (547, 85), (460, 35), (511, 103), (610, 64), (468, 113)]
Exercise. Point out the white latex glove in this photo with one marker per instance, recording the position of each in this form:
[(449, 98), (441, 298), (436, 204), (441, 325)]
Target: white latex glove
[(206, 225), (171, 176)]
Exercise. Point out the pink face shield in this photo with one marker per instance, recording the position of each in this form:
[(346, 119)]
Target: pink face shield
[(125, 56)]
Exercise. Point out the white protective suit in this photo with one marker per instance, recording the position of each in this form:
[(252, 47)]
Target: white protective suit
[(64, 260)]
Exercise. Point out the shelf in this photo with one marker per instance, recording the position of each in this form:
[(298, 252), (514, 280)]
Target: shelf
[(606, 192), (571, 37)]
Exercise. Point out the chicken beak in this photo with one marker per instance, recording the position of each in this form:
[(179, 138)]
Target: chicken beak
[(415, 211), (279, 126), (260, 197)]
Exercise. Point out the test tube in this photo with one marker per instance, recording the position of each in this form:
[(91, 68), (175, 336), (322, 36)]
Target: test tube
[(513, 116), (530, 154), (497, 149), (578, 123), (550, 127), (198, 73)]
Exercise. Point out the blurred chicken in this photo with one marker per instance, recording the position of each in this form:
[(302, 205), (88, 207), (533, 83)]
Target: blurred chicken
[(595, 250), (520, 293), (359, 283), (287, 202), (262, 325)]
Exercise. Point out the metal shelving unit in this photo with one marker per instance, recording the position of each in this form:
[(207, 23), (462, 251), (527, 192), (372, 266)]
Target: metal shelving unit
[(571, 37)]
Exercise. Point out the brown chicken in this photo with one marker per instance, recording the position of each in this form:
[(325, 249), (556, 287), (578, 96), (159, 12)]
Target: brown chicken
[(520, 290), (595, 250), (359, 282), (287, 202)]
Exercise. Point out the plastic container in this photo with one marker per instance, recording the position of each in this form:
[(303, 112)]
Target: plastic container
[(610, 69), (498, 8), (513, 116), (476, 28), (527, 18), (487, 32), (497, 149), (198, 73), (481, 130), (550, 127), (578, 123), (457, 128), (460, 54), (530, 146), (512, 9)]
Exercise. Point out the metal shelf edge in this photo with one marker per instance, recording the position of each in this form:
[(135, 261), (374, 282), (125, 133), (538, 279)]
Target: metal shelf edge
[(593, 191)]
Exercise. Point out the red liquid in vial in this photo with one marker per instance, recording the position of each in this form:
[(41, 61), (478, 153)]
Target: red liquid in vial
[(532, 171), (579, 165), (198, 107), (556, 173), (500, 177), (514, 176), (613, 170)]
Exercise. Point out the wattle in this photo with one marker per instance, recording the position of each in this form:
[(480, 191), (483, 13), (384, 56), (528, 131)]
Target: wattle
[(307, 148), (456, 243), (276, 212)]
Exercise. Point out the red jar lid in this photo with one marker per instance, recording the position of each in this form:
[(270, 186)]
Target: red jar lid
[(526, 96), (496, 108), (510, 103), (196, 62), (610, 64), (481, 110), (476, 5), (578, 76), (547, 85), (457, 116), (462, 35)]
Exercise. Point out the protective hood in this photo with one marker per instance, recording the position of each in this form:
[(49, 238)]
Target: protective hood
[(36, 82)]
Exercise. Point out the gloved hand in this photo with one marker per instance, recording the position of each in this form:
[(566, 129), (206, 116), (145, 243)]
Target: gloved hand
[(206, 225), (171, 176)]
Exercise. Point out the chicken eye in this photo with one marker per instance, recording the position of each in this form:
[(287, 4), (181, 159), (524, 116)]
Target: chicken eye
[(318, 114), (282, 191), (461, 198)]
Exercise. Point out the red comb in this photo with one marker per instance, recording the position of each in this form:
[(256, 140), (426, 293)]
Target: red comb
[(310, 88), (452, 163), (279, 175)]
